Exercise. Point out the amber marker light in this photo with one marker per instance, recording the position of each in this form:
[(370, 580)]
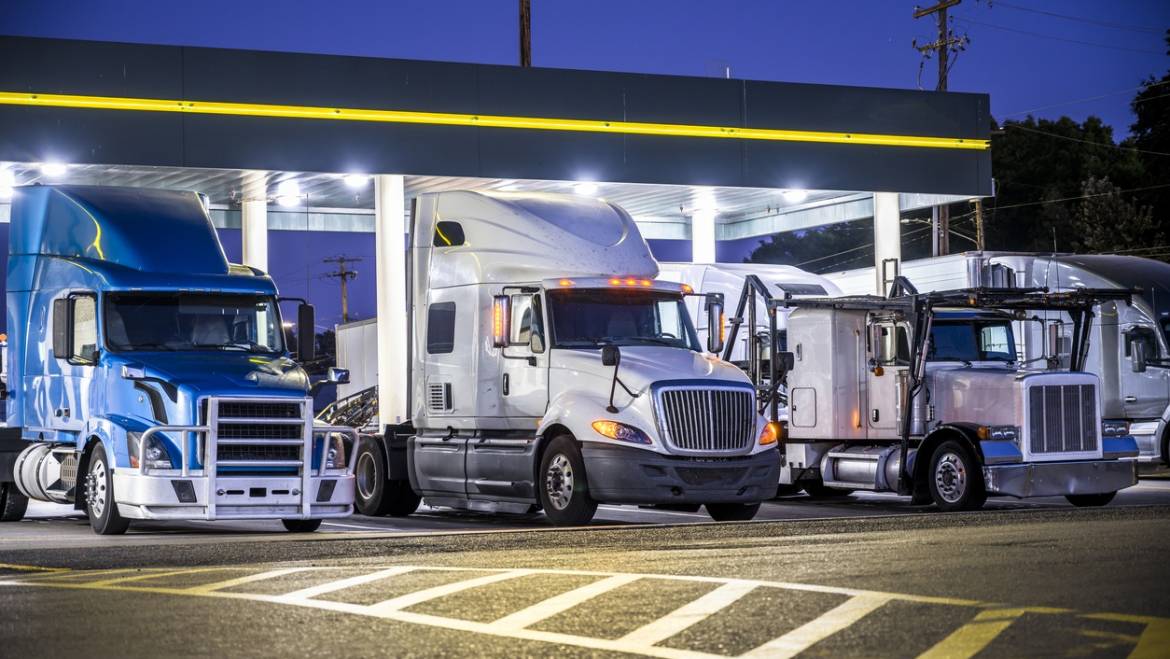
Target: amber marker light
[(773, 432), (566, 282)]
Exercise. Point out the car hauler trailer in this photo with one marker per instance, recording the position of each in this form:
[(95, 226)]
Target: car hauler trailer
[(551, 368), (1129, 348), (884, 396), (148, 378)]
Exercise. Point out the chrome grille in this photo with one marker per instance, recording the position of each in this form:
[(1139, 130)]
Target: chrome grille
[(259, 410), (707, 420), (293, 430), (258, 452), (1063, 419)]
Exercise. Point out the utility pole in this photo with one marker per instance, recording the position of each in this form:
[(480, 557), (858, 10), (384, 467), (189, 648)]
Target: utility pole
[(525, 33), (943, 46), (344, 275)]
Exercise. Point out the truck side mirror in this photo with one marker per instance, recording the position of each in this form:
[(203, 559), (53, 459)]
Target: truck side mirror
[(1137, 352), (536, 343), (1053, 343), (306, 332), (501, 320), (785, 361), (611, 355), (715, 327), (337, 375)]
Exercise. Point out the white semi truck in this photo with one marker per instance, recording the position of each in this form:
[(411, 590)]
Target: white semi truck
[(550, 368), (1129, 348), (922, 394)]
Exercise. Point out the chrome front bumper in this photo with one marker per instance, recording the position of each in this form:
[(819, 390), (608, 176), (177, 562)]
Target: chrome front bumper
[(170, 495), (1047, 479)]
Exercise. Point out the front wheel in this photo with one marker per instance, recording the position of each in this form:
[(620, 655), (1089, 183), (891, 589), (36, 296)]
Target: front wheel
[(301, 525), (564, 490), (732, 512), (13, 503), (1090, 500), (100, 503), (956, 480)]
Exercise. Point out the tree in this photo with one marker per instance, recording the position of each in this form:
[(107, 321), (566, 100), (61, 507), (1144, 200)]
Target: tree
[(1151, 135), (1107, 221)]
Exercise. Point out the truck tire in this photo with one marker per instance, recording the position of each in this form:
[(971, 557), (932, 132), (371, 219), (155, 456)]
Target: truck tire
[(1090, 500), (955, 478), (818, 490), (562, 484), (732, 512), (100, 503), (376, 495), (301, 525), (13, 503)]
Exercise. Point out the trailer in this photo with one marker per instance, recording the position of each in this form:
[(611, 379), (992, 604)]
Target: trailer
[(1129, 348), (151, 379), (552, 369), (922, 394)]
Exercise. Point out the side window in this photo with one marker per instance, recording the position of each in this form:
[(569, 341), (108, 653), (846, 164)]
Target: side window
[(448, 234), (522, 319), (441, 328), (75, 329)]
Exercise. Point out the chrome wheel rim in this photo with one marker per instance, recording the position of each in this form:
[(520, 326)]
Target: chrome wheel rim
[(367, 475), (558, 481), (950, 477), (97, 486)]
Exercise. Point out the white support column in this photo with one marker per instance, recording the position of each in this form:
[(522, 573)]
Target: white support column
[(703, 236), (254, 222), (393, 316), (887, 240)]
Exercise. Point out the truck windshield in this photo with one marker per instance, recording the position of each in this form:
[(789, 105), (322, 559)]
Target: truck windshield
[(192, 321), (972, 341), (590, 318)]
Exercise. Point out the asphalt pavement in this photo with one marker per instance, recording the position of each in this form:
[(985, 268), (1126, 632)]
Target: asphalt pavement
[(868, 576)]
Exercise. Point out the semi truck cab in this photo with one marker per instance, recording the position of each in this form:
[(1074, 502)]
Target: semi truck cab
[(150, 379), (551, 368)]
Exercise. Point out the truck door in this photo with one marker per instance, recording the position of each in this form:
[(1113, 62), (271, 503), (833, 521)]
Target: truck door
[(501, 463), (75, 349), (1143, 395), (889, 351)]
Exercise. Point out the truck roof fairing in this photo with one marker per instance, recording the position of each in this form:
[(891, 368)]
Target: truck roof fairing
[(159, 231), (525, 237)]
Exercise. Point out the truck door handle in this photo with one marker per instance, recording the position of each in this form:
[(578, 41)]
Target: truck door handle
[(1131, 399), (505, 384)]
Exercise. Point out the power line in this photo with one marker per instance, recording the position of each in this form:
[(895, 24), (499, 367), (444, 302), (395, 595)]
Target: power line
[(344, 275), (1095, 98), (1077, 139), (1087, 196), (1054, 37), (1079, 19)]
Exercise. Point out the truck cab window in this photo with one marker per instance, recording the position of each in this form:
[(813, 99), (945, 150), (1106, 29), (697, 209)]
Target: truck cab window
[(441, 328), (448, 234), (192, 321), (972, 341), (995, 342), (83, 343), (590, 318)]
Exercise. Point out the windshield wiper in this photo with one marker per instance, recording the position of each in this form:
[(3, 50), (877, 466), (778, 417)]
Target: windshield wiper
[(661, 340), (147, 346)]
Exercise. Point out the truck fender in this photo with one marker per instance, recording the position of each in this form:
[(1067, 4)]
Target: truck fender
[(573, 412), (96, 430), (968, 433)]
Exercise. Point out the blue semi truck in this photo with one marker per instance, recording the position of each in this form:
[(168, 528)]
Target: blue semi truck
[(149, 378)]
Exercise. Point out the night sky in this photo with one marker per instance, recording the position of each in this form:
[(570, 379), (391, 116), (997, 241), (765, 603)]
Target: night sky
[(1024, 58)]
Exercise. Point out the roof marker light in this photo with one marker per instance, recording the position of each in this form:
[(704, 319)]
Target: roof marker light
[(686, 288), (565, 282)]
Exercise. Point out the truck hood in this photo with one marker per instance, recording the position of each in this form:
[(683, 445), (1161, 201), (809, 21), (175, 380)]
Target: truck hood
[(223, 373), (642, 366)]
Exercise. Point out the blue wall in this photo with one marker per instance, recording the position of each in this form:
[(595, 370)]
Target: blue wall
[(295, 260)]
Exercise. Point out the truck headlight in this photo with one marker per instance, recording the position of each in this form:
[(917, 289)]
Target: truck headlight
[(335, 456), (1114, 428), (156, 454), (1000, 433), (620, 432)]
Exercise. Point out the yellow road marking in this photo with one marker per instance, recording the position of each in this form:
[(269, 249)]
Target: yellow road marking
[(971, 638), (824, 626), (484, 120), (563, 602), (964, 642), (341, 584), (32, 568), (251, 578), (688, 615)]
